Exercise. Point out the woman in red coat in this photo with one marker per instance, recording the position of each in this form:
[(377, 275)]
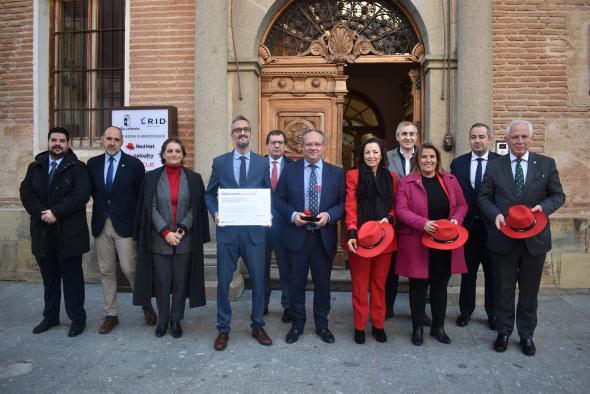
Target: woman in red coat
[(423, 197), (370, 190)]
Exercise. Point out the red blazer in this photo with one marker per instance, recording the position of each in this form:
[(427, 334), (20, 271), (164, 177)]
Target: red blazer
[(350, 206), (411, 207)]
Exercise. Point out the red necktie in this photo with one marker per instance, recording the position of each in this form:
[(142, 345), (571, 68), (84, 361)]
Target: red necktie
[(274, 178)]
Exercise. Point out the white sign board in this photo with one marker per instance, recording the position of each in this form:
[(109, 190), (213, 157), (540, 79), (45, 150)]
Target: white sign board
[(244, 207), (144, 132)]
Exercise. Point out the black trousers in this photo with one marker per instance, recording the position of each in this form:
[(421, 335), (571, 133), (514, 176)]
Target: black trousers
[(312, 256), (518, 266), (57, 272), (391, 284), (171, 275), (476, 252), (439, 271)]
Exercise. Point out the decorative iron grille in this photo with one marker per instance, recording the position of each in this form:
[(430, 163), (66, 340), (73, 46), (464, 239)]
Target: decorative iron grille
[(87, 65), (380, 22)]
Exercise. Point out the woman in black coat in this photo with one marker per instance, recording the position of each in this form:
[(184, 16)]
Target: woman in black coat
[(171, 227)]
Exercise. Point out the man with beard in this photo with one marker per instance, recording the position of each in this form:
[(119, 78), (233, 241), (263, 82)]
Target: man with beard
[(54, 192), (116, 179), (240, 168)]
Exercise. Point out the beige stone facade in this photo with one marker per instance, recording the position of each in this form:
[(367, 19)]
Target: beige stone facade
[(484, 60)]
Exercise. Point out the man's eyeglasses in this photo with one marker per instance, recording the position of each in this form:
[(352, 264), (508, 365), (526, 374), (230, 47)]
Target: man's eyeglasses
[(276, 142), (238, 130), (313, 144)]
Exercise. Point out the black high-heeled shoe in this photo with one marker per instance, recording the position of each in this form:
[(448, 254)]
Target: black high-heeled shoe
[(439, 333), (417, 335), (379, 334), (359, 337)]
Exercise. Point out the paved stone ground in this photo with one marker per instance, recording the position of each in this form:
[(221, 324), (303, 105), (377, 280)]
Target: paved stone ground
[(132, 359)]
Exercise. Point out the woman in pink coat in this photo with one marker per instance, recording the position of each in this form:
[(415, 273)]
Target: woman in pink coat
[(423, 197)]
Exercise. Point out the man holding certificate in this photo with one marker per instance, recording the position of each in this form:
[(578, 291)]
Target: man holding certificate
[(239, 169), (310, 197)]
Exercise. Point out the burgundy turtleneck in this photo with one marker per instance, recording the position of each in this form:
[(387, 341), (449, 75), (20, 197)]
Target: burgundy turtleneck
[(174, 182)]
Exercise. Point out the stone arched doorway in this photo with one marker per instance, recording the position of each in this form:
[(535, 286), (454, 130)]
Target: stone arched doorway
[(305, 53)]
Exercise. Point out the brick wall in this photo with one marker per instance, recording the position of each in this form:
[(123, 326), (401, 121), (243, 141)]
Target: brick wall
[(532, 52), (162, 51), (16, 94)]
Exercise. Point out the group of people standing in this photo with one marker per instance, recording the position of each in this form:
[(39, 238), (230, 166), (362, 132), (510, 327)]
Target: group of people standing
[(404, 215)]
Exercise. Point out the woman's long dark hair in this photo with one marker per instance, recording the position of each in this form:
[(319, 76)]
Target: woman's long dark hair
[(374, 193)]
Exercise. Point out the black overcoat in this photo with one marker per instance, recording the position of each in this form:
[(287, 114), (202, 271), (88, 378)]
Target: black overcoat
[(143, 289)]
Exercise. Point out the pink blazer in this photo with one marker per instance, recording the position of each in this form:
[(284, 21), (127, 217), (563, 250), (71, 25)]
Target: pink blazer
[(411, 208)]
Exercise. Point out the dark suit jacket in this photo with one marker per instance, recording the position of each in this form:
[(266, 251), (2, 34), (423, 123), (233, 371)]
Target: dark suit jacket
[(222, 176), (289, 197), (277, 219), (122, 199), (498, 194), (461, 168)]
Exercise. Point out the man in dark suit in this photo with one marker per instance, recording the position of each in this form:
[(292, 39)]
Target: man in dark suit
[(469, 170), (525, 178), (314, 185), (276, 144), (54, 192), (240, 168), (399, 159), (116, 179)]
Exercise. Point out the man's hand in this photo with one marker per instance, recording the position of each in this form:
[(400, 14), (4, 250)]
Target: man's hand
[(430, 227), (352, 245), (48, 217), (298, 219), (537, 208), (217, 221), (500, 221), (454, 221), (324, 218)]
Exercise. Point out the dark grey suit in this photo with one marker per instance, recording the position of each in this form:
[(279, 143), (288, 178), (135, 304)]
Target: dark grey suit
[(519, 260)]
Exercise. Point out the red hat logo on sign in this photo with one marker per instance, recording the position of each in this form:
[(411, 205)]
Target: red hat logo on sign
[(130, 146)]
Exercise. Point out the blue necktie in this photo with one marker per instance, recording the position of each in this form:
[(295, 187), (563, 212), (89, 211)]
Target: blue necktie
[(109, 181), (242, 182), (51, 175), (312, 192), (478, 175)]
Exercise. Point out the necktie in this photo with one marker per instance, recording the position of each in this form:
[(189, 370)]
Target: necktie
[(274, 178), (109, 181), (519, 178), (51, 175), (242, 182), (478, 175), (312, 192)]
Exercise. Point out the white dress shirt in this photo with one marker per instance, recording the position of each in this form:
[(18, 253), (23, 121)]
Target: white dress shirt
[(473, 167), (524, 164)]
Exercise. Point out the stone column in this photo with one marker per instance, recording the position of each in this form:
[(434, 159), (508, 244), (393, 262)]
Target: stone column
[(474, 68), (211, 132)]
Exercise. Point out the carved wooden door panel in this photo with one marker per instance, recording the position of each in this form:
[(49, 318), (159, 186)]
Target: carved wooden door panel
[(299, 97)]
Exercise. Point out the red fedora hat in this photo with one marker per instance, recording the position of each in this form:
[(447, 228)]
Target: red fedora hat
[(447, 236), (522, 222), (373, 238)]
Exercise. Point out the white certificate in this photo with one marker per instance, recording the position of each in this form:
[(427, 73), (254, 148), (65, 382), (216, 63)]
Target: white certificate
[(244, 207)]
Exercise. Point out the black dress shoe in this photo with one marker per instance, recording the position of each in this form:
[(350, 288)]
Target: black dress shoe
[(287, 317), (439, 333), (77, 328), (427, 321), (293, 335), (161, 329), (463, 320), (359, 337), (492, 323), (417, 335), (379, 334), (175, 329), (44, 326), (326, 335), (501, 343), (528, 346)]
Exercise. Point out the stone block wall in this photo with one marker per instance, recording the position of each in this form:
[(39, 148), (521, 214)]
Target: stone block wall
[(162, 56)]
